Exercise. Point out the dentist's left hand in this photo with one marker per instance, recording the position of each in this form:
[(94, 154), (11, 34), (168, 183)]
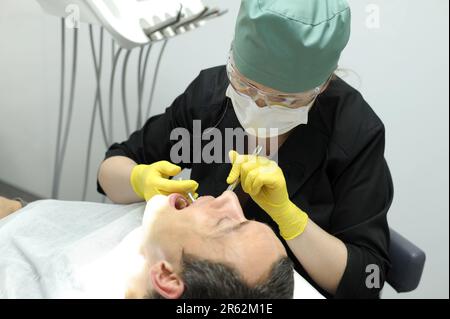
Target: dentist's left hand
[(264, 181), (150, 180)]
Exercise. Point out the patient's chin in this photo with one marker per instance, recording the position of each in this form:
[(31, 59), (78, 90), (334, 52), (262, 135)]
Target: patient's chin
[(154, 207)]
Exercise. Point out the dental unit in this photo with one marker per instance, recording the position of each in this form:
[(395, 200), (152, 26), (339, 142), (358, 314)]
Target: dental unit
[(134, 26)]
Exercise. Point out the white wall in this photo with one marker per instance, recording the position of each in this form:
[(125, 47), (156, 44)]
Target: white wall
[(403, 66)]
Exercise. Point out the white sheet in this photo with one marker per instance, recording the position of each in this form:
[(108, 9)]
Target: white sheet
[(57, 249)]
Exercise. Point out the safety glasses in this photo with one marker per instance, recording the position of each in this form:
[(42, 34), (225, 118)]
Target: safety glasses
[(245, 88)]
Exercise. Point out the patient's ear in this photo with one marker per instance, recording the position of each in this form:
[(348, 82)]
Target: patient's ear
[(165, 280)]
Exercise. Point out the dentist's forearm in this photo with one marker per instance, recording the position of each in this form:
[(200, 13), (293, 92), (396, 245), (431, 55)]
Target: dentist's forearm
[(323, 256), (114, 177)]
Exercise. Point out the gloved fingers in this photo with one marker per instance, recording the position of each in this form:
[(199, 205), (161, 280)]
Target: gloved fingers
[(271, 168), (258, 183), (164, 193), (256, 186), (247, 184), (167, 169), (149, 192), (259, 164), (173, 186), (236, 161), (261, 181), (265, 180), (243, 164), (246, 168)]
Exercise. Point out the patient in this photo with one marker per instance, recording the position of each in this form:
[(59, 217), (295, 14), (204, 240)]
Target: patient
[(8, 206), (208, 250)]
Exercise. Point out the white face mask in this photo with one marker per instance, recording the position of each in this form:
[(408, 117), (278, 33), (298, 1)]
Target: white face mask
[(267, 121)]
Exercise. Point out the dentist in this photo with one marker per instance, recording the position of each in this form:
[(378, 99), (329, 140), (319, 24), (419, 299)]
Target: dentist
[(328, 194)]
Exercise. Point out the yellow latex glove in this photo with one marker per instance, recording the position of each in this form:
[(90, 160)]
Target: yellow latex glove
[(264, 181), (150, 180)]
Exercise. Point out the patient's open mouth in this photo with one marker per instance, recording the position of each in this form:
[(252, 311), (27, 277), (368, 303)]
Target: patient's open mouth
[(178, 201)]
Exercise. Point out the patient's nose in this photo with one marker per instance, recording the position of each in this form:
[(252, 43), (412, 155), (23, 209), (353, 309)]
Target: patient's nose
[(231, 206)]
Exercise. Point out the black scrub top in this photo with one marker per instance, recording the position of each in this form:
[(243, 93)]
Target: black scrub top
[(334, 168)]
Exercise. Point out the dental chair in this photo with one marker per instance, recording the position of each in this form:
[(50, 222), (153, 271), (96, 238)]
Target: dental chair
[(407, 264), (407, 260)]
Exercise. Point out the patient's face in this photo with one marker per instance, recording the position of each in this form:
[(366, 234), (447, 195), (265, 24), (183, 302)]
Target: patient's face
[(211, 228)]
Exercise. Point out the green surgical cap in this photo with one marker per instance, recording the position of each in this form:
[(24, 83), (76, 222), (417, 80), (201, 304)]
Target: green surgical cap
[(291, 46)]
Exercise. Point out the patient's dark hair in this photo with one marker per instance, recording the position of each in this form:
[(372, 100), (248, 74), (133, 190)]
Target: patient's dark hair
[(211, 280)]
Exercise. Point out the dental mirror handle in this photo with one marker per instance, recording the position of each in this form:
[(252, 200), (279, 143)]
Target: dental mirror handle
[(189, 194), (191, 197), (233, 186)]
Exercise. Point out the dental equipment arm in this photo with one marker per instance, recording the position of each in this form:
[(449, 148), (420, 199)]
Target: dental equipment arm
[(134, 23)]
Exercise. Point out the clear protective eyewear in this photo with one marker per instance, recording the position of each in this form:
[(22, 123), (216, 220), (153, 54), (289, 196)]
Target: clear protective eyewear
[(245, 88)]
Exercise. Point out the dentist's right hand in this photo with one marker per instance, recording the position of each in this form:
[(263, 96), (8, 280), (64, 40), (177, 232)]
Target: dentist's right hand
[(150, 180)]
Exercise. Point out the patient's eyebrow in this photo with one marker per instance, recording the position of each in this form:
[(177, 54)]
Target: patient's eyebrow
[(236, 227)]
